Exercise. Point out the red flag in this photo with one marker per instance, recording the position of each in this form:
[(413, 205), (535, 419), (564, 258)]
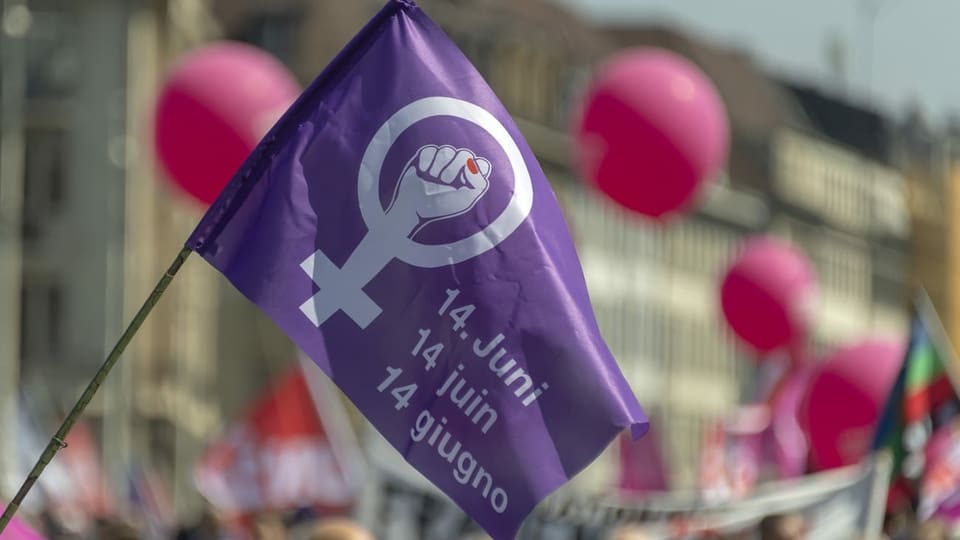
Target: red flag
[(731, 453), (81, 457), (75, 488), (280, 456), (642, 467), (714, 480)]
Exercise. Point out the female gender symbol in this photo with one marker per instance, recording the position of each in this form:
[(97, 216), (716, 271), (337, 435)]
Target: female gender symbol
[(439, 182)]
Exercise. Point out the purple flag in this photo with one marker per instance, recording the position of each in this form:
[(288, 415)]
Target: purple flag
[(397, 227)]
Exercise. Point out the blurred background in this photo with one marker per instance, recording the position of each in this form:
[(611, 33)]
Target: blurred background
[(842, 129)]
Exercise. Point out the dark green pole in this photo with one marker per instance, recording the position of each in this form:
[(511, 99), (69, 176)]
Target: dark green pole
[(57, 442)]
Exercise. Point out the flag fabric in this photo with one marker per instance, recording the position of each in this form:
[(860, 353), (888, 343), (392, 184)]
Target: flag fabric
[(82, 459), (151, 501), (940, 485), (714, 476), (642, 466), (279, 457), (922, 400), (397, 227), (841, 503), (731, 454), (785, 443), (781, 382), (74, 486)]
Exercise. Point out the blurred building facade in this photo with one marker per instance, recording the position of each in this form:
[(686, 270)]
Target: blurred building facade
[(923, 156), (792, 171), (12, 96), (88, 228), (824, 165), (839, 175), (66, 238), (87, 225)]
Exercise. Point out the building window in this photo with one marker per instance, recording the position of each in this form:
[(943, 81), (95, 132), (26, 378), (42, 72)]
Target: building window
[(571, 82), (275, 33), (41, 320), (643, 331), (478, 49), (44, 177), (843, 268), (539, 74), (52, 55), (684, 446)]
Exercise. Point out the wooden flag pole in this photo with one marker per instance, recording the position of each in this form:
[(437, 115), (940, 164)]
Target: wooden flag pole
[(58, 441)]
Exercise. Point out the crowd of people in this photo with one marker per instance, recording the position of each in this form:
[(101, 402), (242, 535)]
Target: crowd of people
[(787, 526), (305, 525), (265, 529), (275, 528), (795, 526), (208, 527)]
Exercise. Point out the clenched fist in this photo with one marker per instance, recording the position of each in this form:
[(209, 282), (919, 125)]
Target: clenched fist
[(441, 182)]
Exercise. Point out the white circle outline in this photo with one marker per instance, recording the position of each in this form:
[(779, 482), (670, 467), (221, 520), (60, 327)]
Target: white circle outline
[(434, 256)]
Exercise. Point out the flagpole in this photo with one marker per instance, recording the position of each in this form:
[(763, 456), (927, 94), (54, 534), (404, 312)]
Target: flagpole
[(928, 313), (57, 442)]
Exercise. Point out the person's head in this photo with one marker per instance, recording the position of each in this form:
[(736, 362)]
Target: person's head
[(477, 536), (783, 527), (110, 529), (208, 524), (933, 529), (339, 529), (269, 527), (739, 535), (629, 532)]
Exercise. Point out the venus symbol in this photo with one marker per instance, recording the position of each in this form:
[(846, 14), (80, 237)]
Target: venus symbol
[(439, 182)]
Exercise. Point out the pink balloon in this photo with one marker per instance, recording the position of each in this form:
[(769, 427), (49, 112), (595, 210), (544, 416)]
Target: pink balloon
[(213, 109), (767, 293), (651, 131), (847, 393)]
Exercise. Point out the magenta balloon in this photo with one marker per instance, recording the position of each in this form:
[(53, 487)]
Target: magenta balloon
[(651, 131), (767, 293), (214, 107), (840, 410)]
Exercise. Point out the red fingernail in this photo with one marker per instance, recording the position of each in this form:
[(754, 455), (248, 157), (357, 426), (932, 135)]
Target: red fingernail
[(472, 165)]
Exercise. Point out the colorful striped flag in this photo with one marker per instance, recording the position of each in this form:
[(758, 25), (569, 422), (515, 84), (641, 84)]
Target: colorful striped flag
[(923, 399)]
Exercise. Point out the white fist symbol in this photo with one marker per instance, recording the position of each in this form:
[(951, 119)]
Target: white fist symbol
[(440, 182)]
